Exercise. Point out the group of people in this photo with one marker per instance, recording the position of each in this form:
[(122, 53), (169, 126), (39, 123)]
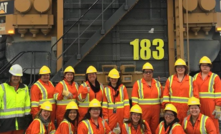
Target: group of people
[(186, 104)]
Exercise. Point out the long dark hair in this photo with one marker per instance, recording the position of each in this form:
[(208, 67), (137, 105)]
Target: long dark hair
[(118, 84), (141, 123), (71, 80), (88, 116), (67, 118), (171, 124)]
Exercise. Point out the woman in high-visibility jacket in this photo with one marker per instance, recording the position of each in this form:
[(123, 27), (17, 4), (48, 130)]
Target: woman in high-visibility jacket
[(209, 86), (170, 124), (70, 122), (197, 123), (65, 92), (135, 125), (89, 90), (116, 105), (42, 123), (147, 92), (92, 122), (43, 90), (179, 88)]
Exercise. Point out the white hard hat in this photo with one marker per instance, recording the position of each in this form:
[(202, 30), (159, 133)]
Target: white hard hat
[(16, 70)]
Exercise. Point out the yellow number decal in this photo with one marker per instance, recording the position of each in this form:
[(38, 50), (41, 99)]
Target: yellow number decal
[(145, 52), (135, 43), (159, 54)]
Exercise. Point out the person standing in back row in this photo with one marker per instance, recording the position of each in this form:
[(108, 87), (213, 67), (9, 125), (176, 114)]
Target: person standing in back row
[(179, 88), (209, 86), (89, 90), (43, 90), (116, 105), (65, 92), (14, 104), (147, 92)]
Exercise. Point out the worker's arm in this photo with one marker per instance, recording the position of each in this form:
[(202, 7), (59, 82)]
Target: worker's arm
[(82, 129), (63, 128), (134, 95), (105, 107), (166, 94), (35, 97), (126, 104), (82, 92), (210, 127), (58, 92), (35, 128), (217, 90)]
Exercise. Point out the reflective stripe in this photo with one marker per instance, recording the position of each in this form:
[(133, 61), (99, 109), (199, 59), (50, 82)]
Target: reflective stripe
[(206, 95), (4, 96), (191, 86), (161, 127), (128, 129), (140, 89), (13, 109), (185, 123), (203, 124), (42, 130), (211, 83), (76, 85), (116, 105), (88, 125), (170, 80), (64, 85), (42, 89), (134, 99), (174, 125), (65, 102), (104, 104), (166, 99), (69, 126), (149, 101), (84, 104), (51, 100), (179, 99), (13, 115), (34, 104)]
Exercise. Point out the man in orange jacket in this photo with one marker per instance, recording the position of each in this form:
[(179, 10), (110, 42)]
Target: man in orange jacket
[(147, 92), (197, 123), (209, 86), (43, 90)]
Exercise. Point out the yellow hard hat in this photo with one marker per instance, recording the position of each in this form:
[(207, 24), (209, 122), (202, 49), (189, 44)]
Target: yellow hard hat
[(136, 109), (180, 62), (71, 105), (46, 106), (91, 69), (170, 107), (147, 65), (114, 74), (193, 101), (44, 70), (94, 103), (69, 69), (205, 60)]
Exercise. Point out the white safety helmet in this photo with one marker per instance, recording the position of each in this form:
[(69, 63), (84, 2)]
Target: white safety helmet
[(16, 70)]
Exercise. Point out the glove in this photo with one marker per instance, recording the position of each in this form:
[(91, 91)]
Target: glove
[(65, 93), (217, 112), (125, 119), (161, 112), (116, 130), (188, 112)]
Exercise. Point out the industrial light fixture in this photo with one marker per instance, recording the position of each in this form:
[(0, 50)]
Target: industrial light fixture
[(11, 32)]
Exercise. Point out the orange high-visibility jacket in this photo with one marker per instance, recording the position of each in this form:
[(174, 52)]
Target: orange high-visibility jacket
[(149, 99), (41, 92), (85, 95), (62, 101), (176, 129), (178, 93), (89, 127), (129, 129), (37, 127), (66, 127), (202, 124), (121, 103)]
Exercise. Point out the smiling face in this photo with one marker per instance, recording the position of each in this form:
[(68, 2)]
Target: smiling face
[(95, 112), (72, 114), (169, 116), (92, 77), (113, 81), (15, 80), (147, 74), (180, 69), (194, 110), (205, 68), (45, 77), (69, 76), (45, 114), (135, 117)]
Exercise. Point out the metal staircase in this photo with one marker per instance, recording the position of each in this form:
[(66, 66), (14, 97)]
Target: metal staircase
[(76, 43)]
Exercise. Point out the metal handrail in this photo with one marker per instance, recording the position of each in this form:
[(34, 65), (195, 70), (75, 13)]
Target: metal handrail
[(74, 24), (100, 15)]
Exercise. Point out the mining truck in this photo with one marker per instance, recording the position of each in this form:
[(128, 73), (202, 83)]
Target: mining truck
[(108, 33)]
